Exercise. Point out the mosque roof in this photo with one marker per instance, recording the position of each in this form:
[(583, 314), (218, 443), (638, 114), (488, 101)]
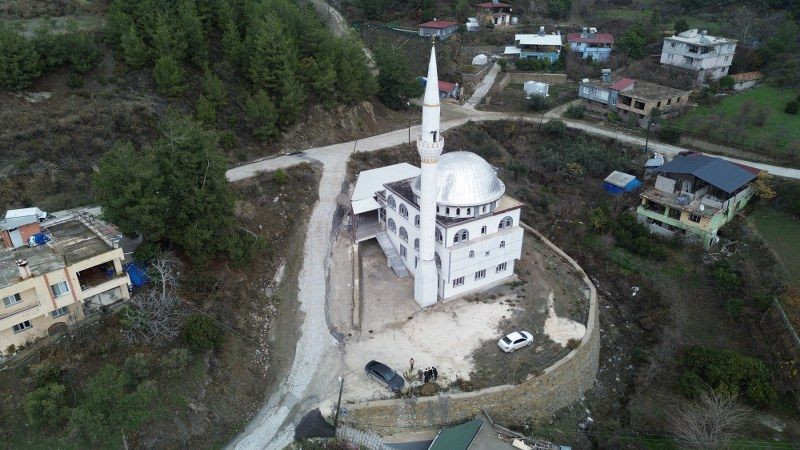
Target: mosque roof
[(464, 179)]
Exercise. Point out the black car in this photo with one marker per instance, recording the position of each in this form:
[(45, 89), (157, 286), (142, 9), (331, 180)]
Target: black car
[(383, 374)]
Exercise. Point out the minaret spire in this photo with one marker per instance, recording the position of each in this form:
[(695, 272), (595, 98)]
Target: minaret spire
[(429, 146)]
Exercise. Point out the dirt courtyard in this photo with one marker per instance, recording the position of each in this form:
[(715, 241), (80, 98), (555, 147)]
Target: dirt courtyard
[(459, 337)]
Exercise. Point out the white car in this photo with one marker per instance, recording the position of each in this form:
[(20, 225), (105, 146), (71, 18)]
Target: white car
[(514, 341)]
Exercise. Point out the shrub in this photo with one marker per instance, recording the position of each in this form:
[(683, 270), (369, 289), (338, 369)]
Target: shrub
[(792, 107), (227, 139), (45, 373), (75, 80), (555, 128), (726, 82), (19, 61), (537, 102), (726, 280), (168, 74), (635, 238), (669, 134), (137, 368), (763, 300), (532, 64), (517, 168), (727, 373), (575, 112), (11, 349), (503, 63), (733, 307), (176, 360), (206, 111), (279, 176), (46, 405), (201, 333), (598, 219)]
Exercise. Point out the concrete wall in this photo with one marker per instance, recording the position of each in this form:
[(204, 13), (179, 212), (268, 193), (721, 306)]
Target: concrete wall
[(539, 396)]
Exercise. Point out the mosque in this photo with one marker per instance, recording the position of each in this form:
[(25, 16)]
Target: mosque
[(447, 223)]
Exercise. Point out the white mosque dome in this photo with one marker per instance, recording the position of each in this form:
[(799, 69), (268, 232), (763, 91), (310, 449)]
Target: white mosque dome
[(464, 179)]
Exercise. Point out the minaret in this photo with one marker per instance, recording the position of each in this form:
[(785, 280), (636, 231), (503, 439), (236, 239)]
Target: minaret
[(429, 146)]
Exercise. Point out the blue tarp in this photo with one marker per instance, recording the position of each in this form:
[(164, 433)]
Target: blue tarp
[(39, 239), (137, 275), (616, 190)]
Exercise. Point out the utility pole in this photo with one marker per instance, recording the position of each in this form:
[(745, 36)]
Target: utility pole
[(408, 112), (338, 404)]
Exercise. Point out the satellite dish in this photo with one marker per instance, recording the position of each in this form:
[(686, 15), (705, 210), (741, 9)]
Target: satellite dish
[(702, 207)]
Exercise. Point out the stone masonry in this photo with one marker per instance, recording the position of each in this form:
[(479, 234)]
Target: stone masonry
[(539, 396)]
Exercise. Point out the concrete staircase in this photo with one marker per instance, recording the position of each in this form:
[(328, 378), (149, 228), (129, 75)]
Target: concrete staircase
[(395, 261)]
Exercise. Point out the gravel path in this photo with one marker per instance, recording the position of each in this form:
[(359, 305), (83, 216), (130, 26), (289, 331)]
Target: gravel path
[(482, 88)]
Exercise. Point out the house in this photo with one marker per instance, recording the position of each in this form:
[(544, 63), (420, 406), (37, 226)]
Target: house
[(472, 24), (439, 28), (46, 287), (591, 44), (537, 46), (631, 98), (709, 56), (446, 89), (495, 13), (19, 225), (695, 196), (473, 435), (746, 80), (618, 183)]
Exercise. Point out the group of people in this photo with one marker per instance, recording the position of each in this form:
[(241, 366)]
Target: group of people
[(429, 374)]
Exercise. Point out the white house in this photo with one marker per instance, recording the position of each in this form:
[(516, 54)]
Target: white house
[(450, 225), (709, 56)]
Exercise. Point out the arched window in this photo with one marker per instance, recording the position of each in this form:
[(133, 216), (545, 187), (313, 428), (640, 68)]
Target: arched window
[(439, 237), (502, 243), (438, 260), (458, 211), (416, 244), (391, 225), (404, 234), (461, 236), (416, 221), (469, 211), (447, 210), (403, 210), (508, 222), (505, 223), (390, 202), (471, 254), (483, 229)]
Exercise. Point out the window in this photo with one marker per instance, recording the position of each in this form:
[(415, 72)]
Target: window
[(469, 211), (390, 202), (63, 311), (438, 260), (672, 44), (416, 244), (694, 218), (678, 100), (447, 210), (403, 252), (471, 254), (403, 210), (403, 234), (458, 211), (505, 223), (658, 105), (61, 288), (483, 229), (391, 225), (480, 274), (12, 300), (439, 237), (416, 220), (22, 326), (500, 268), (416, 261), (458, 282), (669, 101), (461, 236), (502, 244)]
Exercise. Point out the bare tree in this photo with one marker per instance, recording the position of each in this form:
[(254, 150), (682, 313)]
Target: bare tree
[(153, 315), (710, 422)]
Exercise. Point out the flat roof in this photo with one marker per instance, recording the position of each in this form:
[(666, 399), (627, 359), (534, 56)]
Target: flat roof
[(591, 38), (697, 37), (538, 39), (71, 241), (619, 179), (643, 90), (371, 181)]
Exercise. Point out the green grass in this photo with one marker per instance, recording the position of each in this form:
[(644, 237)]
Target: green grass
[(633, 15), (779, 136), (781, 233)]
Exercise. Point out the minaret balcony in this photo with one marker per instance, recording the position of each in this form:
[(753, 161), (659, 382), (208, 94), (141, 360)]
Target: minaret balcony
[(430, 149)]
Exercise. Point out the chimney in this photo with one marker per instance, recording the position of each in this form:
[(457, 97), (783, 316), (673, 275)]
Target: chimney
[(704, 32), (541, 30), (606, 75), (24, 270), (585, 32)]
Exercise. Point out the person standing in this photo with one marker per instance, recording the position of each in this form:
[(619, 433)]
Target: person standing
[(411, 362), (435, 372)]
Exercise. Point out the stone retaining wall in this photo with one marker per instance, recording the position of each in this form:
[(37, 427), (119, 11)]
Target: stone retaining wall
[(541, 395)]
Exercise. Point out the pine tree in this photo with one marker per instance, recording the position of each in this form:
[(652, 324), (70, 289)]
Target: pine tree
[(168, 41), (83, 52), (206, 111), (192, 29), (19, 62), (291, 101), (134, 49), (213, 88), (232, 43), (269, 56), (169, 76), (395, 84), (353, 80), (261, 115)]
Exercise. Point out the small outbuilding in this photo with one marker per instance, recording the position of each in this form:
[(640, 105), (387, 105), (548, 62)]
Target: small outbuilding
[(480, 60), (439, 28), (620, 182), (536, 88), (746, 80)]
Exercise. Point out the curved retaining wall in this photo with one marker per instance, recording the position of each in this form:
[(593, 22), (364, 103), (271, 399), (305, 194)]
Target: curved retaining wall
[(558, 386)]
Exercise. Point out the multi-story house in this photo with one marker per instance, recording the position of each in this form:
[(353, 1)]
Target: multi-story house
[(709, 56), (46, 287), (695, 196), (495, 13), (591, 44), (537, 46), (632, 98)]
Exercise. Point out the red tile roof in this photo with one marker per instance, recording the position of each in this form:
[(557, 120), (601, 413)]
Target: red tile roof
[(437, 24), (599, 38), (747, 76), (490, 5), (623, 84), (444, 86)]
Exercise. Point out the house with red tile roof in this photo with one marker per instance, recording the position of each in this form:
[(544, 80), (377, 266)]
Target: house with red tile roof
[(591, 44), (438, 28), (746, 80)]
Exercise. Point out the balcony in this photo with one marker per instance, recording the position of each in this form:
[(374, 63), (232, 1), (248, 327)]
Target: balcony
[(100, 278), (21, 315)]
